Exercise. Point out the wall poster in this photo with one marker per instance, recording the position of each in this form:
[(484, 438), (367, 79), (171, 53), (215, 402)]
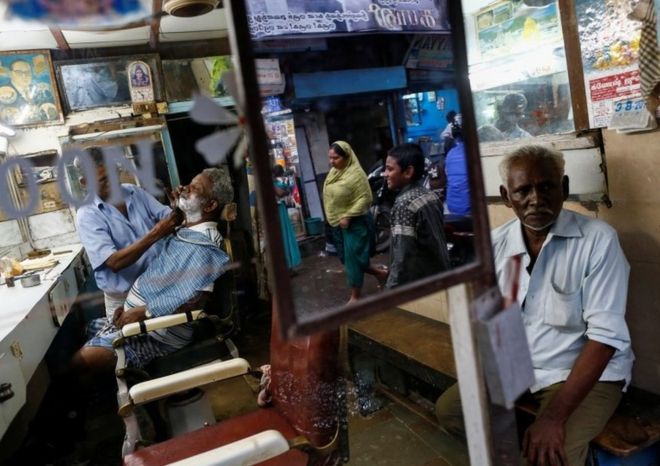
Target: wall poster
[(609, 43), (604, 89)]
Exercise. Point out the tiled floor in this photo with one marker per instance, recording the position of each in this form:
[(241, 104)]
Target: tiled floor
[(396, 436)]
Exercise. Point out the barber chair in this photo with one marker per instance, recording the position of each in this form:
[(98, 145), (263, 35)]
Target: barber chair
[(304, 425), (136, 388), (210, 345)]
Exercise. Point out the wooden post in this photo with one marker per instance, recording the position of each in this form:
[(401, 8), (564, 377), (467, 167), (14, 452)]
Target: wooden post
[(574, 64), (154, 34), (471, 382)]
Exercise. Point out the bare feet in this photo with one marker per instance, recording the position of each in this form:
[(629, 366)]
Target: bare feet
[(380, 272), (355, 295)]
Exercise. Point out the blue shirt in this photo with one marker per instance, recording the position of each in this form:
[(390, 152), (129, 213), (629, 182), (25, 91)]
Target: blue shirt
[(577, 292), (103, 230), (458, 185)]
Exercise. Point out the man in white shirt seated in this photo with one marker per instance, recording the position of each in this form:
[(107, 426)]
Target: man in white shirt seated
[(572, 292), (180, 278)]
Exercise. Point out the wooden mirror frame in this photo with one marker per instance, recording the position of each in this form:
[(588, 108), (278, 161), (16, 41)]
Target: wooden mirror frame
[(481, 271)]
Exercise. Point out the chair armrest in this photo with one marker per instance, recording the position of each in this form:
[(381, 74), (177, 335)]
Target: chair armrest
[(156, 323), (164, 386), (250, 450)]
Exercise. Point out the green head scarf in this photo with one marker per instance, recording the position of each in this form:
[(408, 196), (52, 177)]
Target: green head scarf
[(346, 192)]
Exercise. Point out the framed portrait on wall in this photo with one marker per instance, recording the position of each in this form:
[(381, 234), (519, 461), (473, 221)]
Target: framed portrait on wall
[(28, 94), (103, 82), (140, 82)]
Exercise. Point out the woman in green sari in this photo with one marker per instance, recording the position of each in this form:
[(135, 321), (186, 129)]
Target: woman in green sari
[(282, 189), (347, 198)]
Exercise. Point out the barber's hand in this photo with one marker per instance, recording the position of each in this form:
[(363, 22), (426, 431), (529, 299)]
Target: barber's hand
[(167, 225), (543, 443), (173, 196), (131, 315), (344, 223)]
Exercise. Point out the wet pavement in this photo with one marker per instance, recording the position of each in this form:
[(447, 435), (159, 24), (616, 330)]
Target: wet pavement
[(320, 284)]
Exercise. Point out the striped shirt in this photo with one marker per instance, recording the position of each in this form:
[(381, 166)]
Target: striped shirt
[(177, 336)]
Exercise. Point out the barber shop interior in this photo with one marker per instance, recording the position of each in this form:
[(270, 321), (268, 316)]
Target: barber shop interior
[(363, 232)]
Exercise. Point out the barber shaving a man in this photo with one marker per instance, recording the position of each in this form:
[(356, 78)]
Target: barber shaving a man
[(120, 240), (179, 279), (572, 292)]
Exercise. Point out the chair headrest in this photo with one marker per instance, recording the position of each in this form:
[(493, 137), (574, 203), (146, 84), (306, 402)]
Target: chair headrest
[(229, 212)]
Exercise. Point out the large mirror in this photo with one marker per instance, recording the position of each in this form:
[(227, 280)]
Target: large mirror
[(369, 176), (128, 147)]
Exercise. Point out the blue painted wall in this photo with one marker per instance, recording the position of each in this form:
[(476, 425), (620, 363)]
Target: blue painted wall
[(326, 83), (433, 120)]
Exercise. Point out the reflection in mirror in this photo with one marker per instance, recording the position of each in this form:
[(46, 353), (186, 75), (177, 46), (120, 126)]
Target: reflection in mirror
[(536, 107), (11, 229), (368, 161), (131, 153), (192, 224), (518, 70), (184, 78)]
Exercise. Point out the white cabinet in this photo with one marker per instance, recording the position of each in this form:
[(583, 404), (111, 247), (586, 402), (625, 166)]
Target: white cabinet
[(63, 294), (12, 390), (30, 321)]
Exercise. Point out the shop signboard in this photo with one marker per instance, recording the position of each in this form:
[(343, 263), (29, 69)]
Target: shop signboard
[(309, 44), (293, 17), (430, 53), (270, 78)]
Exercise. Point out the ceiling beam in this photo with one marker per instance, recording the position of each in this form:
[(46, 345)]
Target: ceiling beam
[(62, 43), (166, 50), (157, 7)]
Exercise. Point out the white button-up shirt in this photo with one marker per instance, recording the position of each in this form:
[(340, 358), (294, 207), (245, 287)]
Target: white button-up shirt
[(577, 291)]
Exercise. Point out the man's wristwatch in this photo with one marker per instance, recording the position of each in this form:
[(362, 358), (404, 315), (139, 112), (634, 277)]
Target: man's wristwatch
[(147, 314)]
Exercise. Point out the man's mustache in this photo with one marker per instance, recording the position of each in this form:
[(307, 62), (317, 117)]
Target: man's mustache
[(539, 210)]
